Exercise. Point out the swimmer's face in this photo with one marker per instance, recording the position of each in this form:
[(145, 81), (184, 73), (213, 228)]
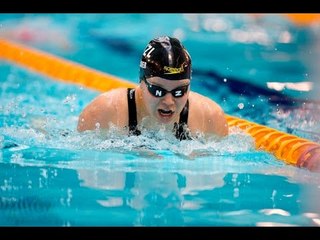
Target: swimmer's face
[(165, 99)]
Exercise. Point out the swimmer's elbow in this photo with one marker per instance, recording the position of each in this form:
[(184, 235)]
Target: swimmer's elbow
[(89, 123), (83, 125), (221, 127), (225, 130), (224, 127), (80, 129)]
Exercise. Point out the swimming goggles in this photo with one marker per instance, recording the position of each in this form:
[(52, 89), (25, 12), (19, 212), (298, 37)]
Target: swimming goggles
[(157, 91)]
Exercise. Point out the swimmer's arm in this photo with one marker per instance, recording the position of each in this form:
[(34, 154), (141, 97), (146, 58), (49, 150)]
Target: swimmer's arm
[(95, 115), (207, 117), (216, 122)]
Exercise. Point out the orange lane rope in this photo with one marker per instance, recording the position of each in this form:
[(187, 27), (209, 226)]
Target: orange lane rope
[(298, 19), (59, 68), (303, 19), (286, 147)]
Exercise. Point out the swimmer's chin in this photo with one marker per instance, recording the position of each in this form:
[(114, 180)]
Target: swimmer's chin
[(166, 117)]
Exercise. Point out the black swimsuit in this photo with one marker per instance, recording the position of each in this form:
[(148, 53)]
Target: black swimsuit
[(180, 129)]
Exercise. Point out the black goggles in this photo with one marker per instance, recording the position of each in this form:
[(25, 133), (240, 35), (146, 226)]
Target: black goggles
[(157, 91)]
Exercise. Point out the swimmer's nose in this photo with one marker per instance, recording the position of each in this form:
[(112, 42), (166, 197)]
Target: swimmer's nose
[(168, 99)]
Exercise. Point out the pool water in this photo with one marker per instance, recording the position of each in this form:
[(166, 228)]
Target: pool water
[(50, 175)]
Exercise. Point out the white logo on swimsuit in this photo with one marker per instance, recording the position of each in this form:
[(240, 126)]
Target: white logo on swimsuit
[(131, 93)]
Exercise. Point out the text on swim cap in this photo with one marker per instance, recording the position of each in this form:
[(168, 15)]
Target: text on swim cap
[(149, 49), (171, 70)]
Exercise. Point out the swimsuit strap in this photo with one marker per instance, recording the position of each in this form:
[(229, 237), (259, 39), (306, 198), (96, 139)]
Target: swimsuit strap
[(132, 112), (180, 129), (184, 114)]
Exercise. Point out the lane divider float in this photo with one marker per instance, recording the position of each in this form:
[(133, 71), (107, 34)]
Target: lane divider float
[(59, 68)]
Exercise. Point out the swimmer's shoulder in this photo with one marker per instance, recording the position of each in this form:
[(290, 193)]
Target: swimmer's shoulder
[(110, 99), (198, 101), (108, 107), (115, 103), (209, 113)]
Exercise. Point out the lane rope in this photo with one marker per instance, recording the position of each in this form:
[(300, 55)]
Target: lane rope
[(59, 68)]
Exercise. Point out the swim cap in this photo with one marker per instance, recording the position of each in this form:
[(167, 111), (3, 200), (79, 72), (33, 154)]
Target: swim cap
[(167, 58)]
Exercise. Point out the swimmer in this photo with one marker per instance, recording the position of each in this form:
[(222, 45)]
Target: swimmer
[(162, 99)]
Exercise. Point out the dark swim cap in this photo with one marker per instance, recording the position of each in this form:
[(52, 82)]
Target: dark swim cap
[(167, 58)]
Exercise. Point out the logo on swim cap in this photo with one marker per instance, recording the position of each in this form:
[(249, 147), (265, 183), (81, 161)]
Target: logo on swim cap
[(171, 70), (167, 58)]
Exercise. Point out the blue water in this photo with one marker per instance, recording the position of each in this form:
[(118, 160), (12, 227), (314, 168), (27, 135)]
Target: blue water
[(50, 175)]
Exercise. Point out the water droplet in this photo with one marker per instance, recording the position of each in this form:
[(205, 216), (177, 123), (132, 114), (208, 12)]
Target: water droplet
[(240, 105)]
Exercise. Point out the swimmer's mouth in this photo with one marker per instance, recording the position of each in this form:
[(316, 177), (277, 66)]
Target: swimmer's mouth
[(165, 112)]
